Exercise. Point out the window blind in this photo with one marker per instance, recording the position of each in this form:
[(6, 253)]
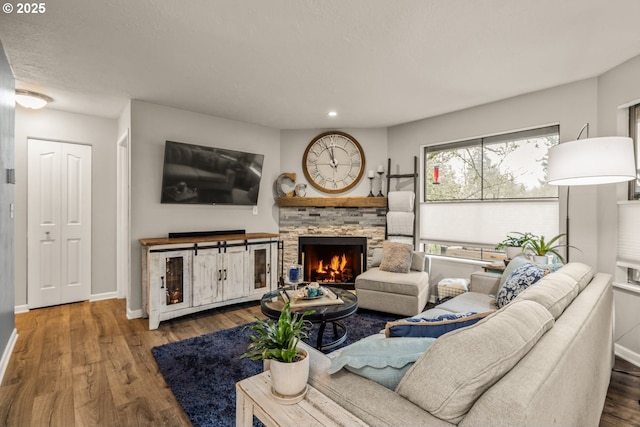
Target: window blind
[(487, 223), (629, 232)]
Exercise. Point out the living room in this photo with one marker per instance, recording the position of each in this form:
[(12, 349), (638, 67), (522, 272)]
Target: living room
[(599, 98)]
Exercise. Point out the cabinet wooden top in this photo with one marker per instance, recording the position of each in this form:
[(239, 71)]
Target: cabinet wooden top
[(204, 239)]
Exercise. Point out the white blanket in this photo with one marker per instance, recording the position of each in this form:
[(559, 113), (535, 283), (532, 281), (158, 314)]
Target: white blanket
[(401, 201), (400, 223)]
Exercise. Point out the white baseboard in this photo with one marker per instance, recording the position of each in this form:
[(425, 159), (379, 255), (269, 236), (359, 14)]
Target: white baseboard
[(100, 297), (6, 355), (21, 309), (628, 355), (134, 314)]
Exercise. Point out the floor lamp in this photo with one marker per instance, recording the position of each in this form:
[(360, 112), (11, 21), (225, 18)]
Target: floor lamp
[(590, 161)]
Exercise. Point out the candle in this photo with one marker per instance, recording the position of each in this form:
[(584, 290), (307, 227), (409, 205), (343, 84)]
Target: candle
[(370, 174), (380, 169)]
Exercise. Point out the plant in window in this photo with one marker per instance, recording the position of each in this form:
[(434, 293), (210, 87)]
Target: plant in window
[(541, 247), (515, 239)]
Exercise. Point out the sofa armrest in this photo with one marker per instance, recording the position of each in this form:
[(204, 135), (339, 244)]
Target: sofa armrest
[(484, 282)]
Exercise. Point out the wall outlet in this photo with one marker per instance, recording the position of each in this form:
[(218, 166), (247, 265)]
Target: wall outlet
[(255, 210)]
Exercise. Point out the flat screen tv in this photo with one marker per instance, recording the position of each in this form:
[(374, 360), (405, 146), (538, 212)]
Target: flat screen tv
[(194, 174)]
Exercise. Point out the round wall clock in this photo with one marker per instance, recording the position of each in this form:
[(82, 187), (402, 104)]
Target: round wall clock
[(333, 162)]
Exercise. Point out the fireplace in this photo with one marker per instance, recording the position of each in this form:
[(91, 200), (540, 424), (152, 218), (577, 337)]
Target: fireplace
[(332, 260)]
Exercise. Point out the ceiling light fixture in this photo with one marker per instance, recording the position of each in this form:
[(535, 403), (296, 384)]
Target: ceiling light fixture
[(32, 100), (333, 113)]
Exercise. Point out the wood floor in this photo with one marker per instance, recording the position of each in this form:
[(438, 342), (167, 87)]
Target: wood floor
[(85, 364)]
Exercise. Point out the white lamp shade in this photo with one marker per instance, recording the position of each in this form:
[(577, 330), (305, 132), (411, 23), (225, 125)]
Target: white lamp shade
[(592, 161)]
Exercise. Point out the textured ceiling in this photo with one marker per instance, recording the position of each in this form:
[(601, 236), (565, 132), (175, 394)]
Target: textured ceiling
[(286, 63)]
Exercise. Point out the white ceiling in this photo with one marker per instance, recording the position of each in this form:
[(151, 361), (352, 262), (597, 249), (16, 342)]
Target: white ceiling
[(286, 63)]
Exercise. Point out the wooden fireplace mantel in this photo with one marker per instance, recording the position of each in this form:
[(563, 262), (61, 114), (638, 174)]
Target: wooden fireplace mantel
[(346, 202)]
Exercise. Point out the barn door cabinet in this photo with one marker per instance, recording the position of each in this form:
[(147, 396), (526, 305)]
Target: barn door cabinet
[(185, 275)]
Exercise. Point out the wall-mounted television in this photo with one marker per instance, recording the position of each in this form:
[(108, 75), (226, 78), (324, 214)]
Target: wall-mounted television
[(195, 174)]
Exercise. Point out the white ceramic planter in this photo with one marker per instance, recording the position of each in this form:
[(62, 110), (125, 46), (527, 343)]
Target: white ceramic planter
[(541, 259), (290, 379), (513, 251)]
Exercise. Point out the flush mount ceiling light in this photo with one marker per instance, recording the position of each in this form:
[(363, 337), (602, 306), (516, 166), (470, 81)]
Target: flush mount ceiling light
[(333, 113), (32, 100)]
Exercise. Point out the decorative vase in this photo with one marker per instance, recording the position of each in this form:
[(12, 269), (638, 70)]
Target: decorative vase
[(541, 259), (513, 251), (289, 380)]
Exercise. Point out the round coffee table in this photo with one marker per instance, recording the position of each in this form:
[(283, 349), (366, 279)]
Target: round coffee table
[(272, 302)]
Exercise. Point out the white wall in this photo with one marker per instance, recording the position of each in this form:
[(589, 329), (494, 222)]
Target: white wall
[(617, 89), (373, 142), (100, 133), (570, 105), (151, 126)]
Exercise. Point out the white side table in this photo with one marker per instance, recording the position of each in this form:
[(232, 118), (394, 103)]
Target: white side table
[(253, 397)]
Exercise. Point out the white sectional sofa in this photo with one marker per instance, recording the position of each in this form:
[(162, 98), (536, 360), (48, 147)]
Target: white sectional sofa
[(542, 360)]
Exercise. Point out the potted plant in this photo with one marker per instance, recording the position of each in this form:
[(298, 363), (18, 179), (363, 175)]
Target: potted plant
[(276, 344), (513, 245), (541, 248)]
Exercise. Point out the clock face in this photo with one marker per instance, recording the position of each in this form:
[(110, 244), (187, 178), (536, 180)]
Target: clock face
[(333, 162)]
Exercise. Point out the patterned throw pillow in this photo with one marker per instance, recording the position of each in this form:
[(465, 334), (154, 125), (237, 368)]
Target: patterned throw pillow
[(432, 327), (521, 278)]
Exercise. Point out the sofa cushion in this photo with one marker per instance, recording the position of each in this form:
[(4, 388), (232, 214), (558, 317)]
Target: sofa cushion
[(461, 365), (521, 278), (469, 301), (582, 273), (433, 327), (513, 264), (396, 257), (374, 279), (384, 361), (556, 291)]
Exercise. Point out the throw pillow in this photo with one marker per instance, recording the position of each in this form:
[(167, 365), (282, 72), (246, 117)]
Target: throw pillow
[(384, 361), (432, 327), (376, 257), (396, 257), (460, 366), (417, 261), (513, 264), (521, 278)]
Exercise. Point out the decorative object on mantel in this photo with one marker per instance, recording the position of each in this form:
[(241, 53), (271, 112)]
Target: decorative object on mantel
[(370, 175), (301, 190), (380, 172), (333, 162), (590, 161), (287, 178)]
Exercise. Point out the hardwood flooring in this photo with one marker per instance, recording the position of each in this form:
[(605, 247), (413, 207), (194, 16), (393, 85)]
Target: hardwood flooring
[(86, 364)]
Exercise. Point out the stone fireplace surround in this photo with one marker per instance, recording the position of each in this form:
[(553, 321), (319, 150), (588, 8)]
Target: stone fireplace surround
[(360, 221)]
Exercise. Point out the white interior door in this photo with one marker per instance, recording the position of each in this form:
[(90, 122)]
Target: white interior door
[(59, 223)]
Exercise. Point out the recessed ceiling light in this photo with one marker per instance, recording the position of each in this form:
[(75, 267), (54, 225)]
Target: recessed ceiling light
[(32, 100), (333, 113)]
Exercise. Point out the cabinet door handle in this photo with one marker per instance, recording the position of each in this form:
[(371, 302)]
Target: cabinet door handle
[(225, 274), (219, 275), (268, 268), (161, 282)]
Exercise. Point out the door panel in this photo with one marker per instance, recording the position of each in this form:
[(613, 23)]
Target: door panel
[(59, 223)]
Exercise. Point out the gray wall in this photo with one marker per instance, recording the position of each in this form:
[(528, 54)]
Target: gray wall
[(7, 196), (100, 133), (151, 126), (570, 105)]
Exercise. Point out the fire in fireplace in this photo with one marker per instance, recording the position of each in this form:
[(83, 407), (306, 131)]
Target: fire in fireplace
[(332, 260)]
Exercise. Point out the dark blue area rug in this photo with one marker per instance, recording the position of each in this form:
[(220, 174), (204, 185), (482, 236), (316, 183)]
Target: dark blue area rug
[(202, 372)]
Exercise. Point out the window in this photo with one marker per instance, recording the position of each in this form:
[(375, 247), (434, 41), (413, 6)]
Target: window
[(477, 191)]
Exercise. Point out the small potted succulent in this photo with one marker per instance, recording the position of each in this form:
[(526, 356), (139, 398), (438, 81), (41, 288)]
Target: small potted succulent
[(542, 248), (514, 244), (276, 344)]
